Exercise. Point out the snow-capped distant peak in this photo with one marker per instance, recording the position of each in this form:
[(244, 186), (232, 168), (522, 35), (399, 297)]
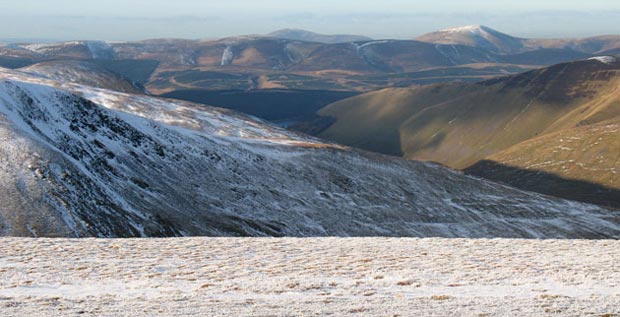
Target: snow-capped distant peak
[(604, 59), (467, 28), (475, 35)]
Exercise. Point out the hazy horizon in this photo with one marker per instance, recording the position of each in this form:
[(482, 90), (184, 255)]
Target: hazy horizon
[(119, 20)]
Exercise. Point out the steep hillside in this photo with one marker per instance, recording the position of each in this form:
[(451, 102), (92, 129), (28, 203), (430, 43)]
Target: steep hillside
[(372, 121), (461, 124), (501, 113), (581, 164), (81, 161)]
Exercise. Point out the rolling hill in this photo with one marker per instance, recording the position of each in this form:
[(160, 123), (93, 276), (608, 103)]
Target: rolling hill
[(476, 35), (79, 161), (460, 125), (485, 37)]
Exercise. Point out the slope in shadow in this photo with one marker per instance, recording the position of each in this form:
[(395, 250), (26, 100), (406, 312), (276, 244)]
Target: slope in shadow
[(547, 183), (268, 104), (15, 62)]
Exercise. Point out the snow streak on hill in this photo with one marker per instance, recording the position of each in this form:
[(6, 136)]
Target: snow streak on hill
[(79, 161)]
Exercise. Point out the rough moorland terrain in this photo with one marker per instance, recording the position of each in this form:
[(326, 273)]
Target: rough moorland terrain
[(309, 277)]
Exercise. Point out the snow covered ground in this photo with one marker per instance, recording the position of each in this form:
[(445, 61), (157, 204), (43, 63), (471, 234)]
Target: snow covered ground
[(309, 277)]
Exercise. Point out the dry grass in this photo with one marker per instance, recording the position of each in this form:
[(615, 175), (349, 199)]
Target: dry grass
[(282, 277)]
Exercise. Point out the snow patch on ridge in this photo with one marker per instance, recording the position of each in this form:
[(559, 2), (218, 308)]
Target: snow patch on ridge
[(604, 59), (466, 28)]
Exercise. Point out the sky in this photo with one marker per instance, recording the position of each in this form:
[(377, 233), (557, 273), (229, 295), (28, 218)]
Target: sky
[(141, 19)]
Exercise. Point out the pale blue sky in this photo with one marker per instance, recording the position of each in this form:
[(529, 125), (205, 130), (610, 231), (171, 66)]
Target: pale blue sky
[(139, 19)]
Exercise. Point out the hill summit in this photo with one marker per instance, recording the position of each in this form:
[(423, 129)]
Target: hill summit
[(475, 35)]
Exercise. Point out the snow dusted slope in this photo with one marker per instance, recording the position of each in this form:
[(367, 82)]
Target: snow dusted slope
[(79, 161), (75, 49), (81, 72), (478, 36)]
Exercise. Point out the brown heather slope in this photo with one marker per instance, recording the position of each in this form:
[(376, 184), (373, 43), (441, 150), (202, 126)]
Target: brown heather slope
[(511, 110), (582, 164), (461, 124)]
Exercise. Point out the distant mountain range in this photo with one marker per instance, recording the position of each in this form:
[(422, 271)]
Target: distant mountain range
[(295, 74), (298, 59)]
